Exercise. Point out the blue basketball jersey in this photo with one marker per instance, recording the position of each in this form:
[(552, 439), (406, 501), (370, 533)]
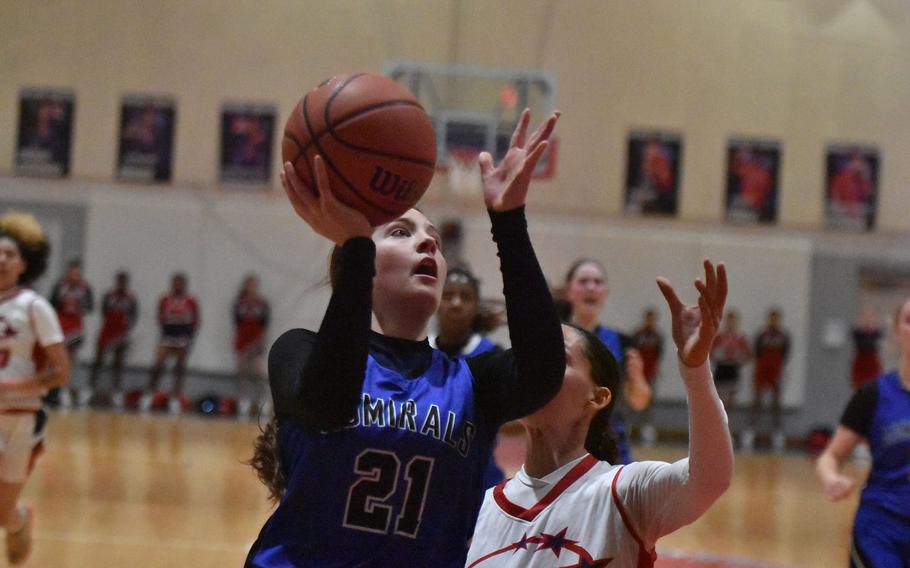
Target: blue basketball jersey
[(611, 338), (888, 485), (400, 486)]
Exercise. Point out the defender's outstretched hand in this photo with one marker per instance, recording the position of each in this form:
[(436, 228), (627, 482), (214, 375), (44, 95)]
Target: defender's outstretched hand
[(694, 327), (505, 187), (321, 209)]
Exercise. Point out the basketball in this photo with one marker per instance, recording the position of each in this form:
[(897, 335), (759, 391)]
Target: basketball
[(377, 142)]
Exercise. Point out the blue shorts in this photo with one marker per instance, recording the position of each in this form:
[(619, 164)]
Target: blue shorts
[(880, 539)]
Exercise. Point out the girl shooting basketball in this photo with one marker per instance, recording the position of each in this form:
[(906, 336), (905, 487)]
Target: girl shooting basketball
[(570, 500), (379, 444), (29, 332)]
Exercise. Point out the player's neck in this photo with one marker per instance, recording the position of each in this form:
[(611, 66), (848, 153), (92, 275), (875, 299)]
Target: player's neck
[(904, 371), (457, 338), (401, 326), (584, 321), (548, 449)]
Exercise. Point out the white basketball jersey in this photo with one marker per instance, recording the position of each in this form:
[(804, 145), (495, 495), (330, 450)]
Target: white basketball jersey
[(26, 320), (569, 518)]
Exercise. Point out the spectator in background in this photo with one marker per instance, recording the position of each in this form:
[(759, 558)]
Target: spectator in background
[(72, 298), (120, 309), (179, 318), (251, 318)]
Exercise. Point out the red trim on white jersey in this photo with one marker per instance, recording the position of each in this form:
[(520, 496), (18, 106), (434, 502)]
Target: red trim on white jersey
[(646, 556), (567, 480)]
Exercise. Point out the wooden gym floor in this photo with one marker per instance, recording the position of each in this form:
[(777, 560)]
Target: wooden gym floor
[(136, 491)]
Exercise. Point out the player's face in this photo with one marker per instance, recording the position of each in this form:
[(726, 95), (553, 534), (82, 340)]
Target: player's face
[(579, 399), (12, 265), (773, 319), (410, 268), (74, 273), (458, 307), (902, 329), (587, 291)]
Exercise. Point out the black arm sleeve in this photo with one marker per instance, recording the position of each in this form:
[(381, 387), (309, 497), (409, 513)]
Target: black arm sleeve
[(514, 383), (861, 409), (328, 374)]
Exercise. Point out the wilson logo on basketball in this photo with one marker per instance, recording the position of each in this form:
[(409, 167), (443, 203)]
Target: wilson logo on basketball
[(388, 184)]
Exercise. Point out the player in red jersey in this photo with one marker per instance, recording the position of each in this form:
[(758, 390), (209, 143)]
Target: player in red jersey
[(251, 318), (33, 359), (119, 308), (772, 348), (729, 353), (649, 342), (179, 318), (72, 298)]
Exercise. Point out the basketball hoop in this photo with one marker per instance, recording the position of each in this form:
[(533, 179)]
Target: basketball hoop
[(464, 172)]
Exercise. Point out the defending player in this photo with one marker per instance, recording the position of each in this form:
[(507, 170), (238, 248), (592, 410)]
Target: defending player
[(33, 359), (878, 414), (381, 441), (570, 504), (586, 292)]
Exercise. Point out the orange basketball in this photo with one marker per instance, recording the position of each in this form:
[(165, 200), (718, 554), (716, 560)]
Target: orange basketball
[(376, 140)]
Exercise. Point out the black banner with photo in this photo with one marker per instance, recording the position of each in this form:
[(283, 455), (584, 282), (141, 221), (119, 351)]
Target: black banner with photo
[(146, 139), (851, 187), (45, 132), (652, 173), (753, 169), (246, 143)]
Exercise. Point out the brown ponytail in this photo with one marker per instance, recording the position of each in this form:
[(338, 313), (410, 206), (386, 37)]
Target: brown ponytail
[(266, 461)]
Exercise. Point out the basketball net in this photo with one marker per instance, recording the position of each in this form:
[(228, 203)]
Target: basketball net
[(464, 172)]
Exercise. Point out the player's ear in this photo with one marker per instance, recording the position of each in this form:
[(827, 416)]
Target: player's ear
[(601, 397)]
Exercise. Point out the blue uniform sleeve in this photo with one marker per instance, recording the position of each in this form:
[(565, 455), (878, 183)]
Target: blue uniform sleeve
[(516, 382)]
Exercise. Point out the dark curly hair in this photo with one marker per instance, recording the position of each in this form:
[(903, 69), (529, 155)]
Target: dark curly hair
[(28, 235), (266, 461), (600, 441)]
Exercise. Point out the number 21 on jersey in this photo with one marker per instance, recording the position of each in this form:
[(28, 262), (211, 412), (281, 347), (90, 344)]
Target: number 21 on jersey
[(368, 507)]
